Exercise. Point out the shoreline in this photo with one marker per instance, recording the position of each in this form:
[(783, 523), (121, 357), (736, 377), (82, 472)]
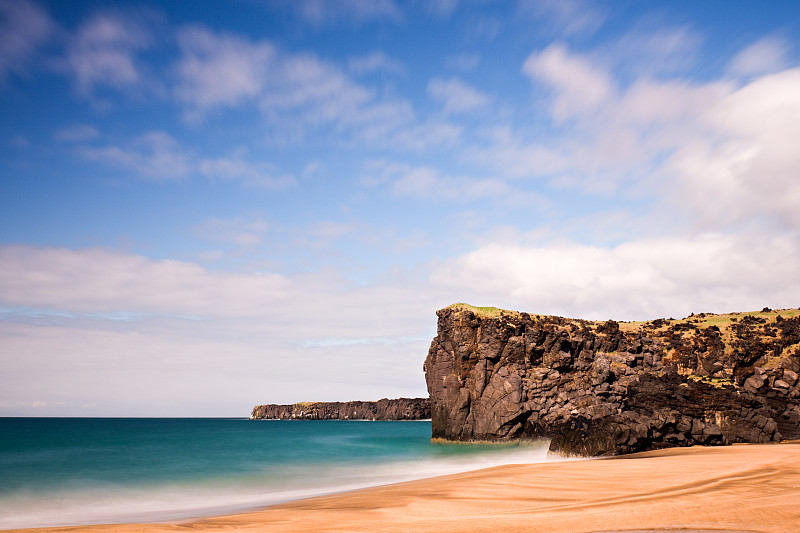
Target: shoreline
[(751, 487)]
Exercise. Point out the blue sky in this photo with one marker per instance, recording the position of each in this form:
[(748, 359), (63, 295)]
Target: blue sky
[(208, 205)]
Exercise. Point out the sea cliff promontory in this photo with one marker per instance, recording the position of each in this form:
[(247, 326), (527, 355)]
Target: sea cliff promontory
[(609, 388), (385, 409)]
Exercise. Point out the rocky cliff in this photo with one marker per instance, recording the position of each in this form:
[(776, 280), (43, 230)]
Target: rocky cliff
[(608, 388), (397, 409)]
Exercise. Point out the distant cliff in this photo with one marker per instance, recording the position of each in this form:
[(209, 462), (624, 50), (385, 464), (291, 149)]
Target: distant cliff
[(607, 388), (397, 409)]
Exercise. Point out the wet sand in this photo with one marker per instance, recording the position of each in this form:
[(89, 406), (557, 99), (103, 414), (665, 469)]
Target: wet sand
[(733, 488)]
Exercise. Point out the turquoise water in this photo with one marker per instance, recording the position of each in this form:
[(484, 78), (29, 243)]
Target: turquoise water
[(65, 471)]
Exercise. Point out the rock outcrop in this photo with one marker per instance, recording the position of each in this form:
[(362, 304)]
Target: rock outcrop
[(385, 409), (608, 388)]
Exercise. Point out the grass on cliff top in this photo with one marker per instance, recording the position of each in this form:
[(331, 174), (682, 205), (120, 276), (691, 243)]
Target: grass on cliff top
[(701, 320), (722, 321), (480, 311)]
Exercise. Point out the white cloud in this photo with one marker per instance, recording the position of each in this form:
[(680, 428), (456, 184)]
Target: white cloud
[(428, 183), (103, 52), (156, 155), (248, 173), (105, 281), (96, 282), (376, 61), (654, 51), (417, 182), (329, 230), (24, 27), (217, 70), (77, 133), (419, 137), (240, 231), (441, 8), (714, 154), (253, 230), (294, 92), (228, 339), (647, 102), (323, 12), (153, 155), (514, 157), (198, 371), (579, 85), (767, 55), (456, 95), (568, 17), (464, 62), (321, 92), (640, 279), (748, 169)]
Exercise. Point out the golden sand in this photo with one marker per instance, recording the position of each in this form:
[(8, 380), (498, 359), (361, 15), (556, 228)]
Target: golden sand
[(734, 488)]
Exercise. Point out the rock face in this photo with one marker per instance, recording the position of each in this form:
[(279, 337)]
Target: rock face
[(608, 388), (398, 409)]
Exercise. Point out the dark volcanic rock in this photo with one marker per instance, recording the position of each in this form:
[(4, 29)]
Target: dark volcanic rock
[(608, 388), (398, 409)]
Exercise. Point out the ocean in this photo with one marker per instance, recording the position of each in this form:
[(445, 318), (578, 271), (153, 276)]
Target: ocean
[(72, 471)]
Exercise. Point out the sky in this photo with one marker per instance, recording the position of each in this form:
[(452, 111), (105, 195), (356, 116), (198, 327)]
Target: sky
[(206, 206)]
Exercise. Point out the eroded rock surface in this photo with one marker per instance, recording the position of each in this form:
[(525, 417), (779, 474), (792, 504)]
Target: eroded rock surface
[(608, 388), (385, 409)]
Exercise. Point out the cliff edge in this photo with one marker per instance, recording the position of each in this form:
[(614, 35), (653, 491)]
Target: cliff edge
[(609, 388), (385, 409)]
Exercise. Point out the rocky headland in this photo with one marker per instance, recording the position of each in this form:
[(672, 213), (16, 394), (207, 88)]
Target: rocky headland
[(385, 409), (609, 388)]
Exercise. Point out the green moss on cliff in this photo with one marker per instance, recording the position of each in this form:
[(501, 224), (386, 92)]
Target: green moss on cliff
[(480, 311), (701, 320)]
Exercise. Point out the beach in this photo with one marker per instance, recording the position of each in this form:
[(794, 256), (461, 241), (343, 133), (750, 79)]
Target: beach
[(733, 488)]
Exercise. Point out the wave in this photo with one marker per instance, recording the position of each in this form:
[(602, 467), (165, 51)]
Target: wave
[(108, 503)]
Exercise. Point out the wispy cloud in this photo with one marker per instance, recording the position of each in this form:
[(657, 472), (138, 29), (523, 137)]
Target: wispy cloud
[(357, 12), (428, 183), (764, 56), (251, 174), (464, 62), (77, 133), (456, 95), (220, 70), (153, 155), (566, 17), (442, 8), (319, 91), (240, 231), (25, 28), (294, 92), (579, 85), (103, 52), (653, 51), (158, 156), (376, 61)]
